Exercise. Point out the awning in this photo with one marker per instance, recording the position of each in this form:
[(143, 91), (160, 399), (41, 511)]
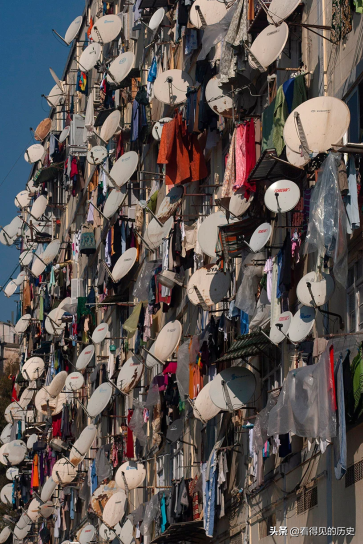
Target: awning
[(48, 174), (270, 167), (248, 345), (189, 531)]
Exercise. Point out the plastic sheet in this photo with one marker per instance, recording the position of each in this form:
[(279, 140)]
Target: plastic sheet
[(141, 287), (246, 294), (214, 34), (182, 370), (153, 396), (151, 511), (137, 422), (136, 516), (327, 229), (305, 405), (261, 422)]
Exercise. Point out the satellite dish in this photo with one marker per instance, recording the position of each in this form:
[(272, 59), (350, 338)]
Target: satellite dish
[(211, 283), (47, 509), (268, 45), (126, 532), (39, 207), (130, 374), (99, 399), (159, 125), (5, 239), (56, 79), (51, 251), (90, 57), (4, 454), (23, 527), (86, 534), (23, 323), (20, 278), (26, 257), (157, 19), (151, 361), (207, 12), (14, 226), (38, 266), (5, 533), (171, 87), (22, 199), (6, 433), (297, 159), (27, 395), (111, 126), (100, 333), (97, 154), (53, 323), (322, 290), (64, 134), (106, 534), (324, 120), (74, 381), (155, 233), (240, 384), (11, 474), (170, 203), (114, 200), (43, 129), (114, 509), (16, 451), (33, 511), (57, 384), (73, 29), (44, 403), (168, 339), (48, 489), (55, 97), (279, 10), (260, 237), (6, 494), (102, 494), (63, 472), (120, 67), (85, 357), (175, 431), (13, 411), (106, 29), (301, 324), (203, 408), (218, 100), (279, 327), (124, 168), (31, 441), (239, 204), (83, 444), (282, 196), (34, 153), (10, 288), (208, 232), (133, 473), (124, 264)]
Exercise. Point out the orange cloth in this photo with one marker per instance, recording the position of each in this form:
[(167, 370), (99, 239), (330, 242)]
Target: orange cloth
[(90, 28), (26, 296), (35, 472)]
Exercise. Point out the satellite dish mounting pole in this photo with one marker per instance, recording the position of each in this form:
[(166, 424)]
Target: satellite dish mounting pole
[(143, 239), (83, 407), (204, 22), (304, 147), (279, 327), (60, 37), (325, 312)]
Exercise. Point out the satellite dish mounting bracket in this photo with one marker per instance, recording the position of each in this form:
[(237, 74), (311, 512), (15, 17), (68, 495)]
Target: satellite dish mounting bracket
[(325, 312), (279, 327), (60, 37)]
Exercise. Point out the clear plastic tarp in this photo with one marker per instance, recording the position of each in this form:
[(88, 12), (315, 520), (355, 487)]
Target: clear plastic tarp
[(151, 511), (153, 396), (182, 370), (261, 422), (141, 287), (136, 423)]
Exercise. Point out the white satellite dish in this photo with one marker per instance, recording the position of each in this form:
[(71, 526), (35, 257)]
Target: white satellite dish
[(282, 196), (110, 126), (22, 199), (159, 125), (10, 288), (57, 384), (260, 237), (44, 403), (22, 528), (73, 29), (99, 399), (124, 168), (105, 533), (124, 264), (6, 433), (14, 227), (279, 10), (64, 134), (114, 200), (207, 12), (19, 280), (218, 100), (86, 534), (208, 232), (280, 327), (90, 56), (47, 509), (38, 266), (97, 154), (11, 474), (25, 257), (51, 251), (83, 443), (120, 67), (168, 339), (34, 153), (114, 509), (56, 79), (322, 290), (65, 302), (130, 374), (31, 441), (101, 496), (55, 97), (239, 204), (134, 474), (324, 120), (48, 489), (27, 395), (5, 533), (268, 45), (170, 203), (23, 323), (33, 511), (6, 494), (301, 324), (74, 381), (16, 450), (13, 411), (39, 207), (4, 454), (240, 384), (106, 29), (156, 19), (126, 532), (63, 472), (85, 357), (53, 322), (211, 283), (171, 87), (297, 159), (155, 233), (42, 130), (150, 361), (204, 409), (100, 333)]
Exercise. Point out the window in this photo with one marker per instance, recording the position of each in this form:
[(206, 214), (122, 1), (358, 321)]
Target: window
[(271, 375), (354, 474), (307, 499), (265, 524), (178, 461), (355, 297)]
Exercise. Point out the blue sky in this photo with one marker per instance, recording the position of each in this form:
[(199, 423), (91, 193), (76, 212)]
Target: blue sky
[(28, 49)]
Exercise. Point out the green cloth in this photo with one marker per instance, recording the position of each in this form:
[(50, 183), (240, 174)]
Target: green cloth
[(357, 377), (152, 202), (267, 126), (281, 113), (299, 95), (358, 6), (41, 308), (82, 309), (131, 322)]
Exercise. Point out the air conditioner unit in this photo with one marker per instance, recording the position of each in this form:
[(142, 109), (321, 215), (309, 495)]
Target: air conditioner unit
[(96, 95), (76, 289)]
